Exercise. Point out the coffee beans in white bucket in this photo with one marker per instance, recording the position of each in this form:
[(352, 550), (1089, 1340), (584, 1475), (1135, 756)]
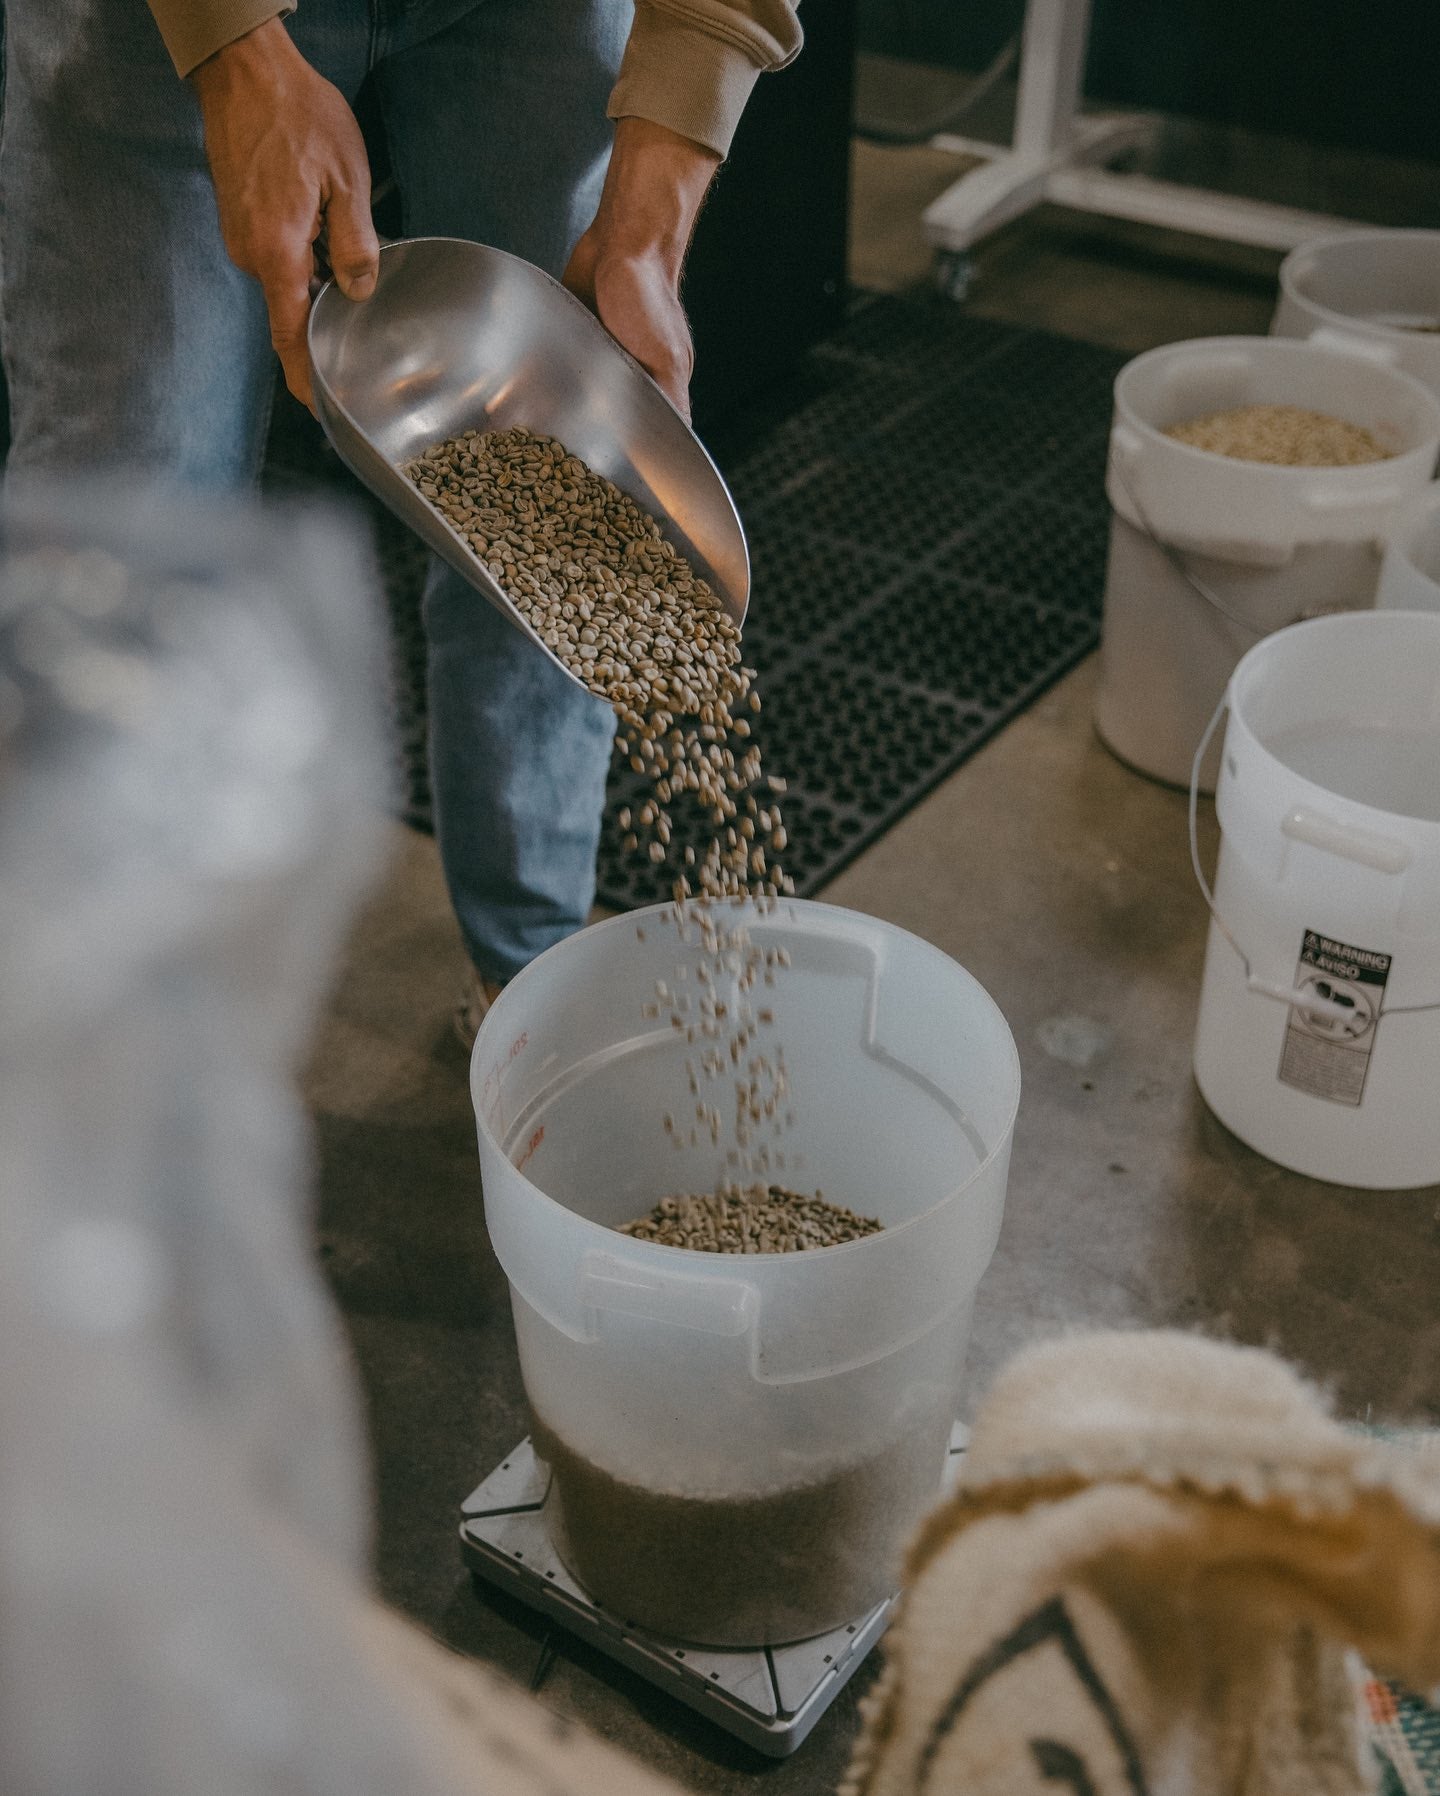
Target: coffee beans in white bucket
[(1284, 435)]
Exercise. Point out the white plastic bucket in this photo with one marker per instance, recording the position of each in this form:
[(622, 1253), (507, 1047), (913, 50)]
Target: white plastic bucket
[(1369, 291), (1318, 1040), (729, 1381), (1410, 569), (1209, 554)]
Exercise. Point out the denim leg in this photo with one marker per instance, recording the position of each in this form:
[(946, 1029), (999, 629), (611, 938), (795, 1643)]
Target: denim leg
[(498, 133), (129, 339)]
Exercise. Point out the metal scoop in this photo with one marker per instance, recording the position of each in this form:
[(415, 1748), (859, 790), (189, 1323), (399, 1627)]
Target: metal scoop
[(459, 337)]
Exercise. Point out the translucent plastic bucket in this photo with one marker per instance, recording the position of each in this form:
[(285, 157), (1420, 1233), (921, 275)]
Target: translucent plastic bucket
[(1410, 568), (741, 1444), (1209, 554), (1373, 291), (1318, 1040)]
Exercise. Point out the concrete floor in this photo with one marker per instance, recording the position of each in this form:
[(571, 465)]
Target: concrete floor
[(1062, 881)]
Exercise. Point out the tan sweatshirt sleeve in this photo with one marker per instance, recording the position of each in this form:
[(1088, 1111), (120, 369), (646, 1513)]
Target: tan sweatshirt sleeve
[(690, 64), (195, 29)]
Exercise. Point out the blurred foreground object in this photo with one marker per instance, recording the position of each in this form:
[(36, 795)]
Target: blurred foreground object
[(192, 770), (1147, 1581)]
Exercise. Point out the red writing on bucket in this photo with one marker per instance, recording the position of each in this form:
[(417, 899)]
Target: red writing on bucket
[(530, 1147)]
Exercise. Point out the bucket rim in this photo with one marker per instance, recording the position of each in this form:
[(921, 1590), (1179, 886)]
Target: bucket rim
[(1294, 269), (665, 1254), (1280, 642), (1300, 348)]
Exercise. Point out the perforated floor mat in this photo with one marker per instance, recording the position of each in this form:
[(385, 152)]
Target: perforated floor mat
[(927, 532), (927, 526)]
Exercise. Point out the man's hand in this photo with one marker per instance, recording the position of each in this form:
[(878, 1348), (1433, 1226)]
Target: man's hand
[(627, 266), (288, 161)]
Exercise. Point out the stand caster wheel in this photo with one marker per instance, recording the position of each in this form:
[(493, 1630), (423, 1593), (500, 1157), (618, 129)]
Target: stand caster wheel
[(954, 271)]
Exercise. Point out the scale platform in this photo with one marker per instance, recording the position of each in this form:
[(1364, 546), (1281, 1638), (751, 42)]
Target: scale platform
[(770, 1696)]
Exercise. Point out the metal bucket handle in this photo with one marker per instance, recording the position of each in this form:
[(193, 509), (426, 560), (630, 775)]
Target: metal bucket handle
[(1372, 851)]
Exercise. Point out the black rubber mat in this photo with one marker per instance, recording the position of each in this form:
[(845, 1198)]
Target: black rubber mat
[(927, 530), (927, 525)]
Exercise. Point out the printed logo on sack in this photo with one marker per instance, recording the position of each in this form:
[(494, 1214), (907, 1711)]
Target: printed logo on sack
[(1040, 1671)]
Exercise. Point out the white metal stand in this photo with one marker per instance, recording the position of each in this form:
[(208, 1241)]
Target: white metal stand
[(1060, 156)]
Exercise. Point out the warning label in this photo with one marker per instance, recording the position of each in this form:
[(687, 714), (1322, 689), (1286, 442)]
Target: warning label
[(1327, 1049)]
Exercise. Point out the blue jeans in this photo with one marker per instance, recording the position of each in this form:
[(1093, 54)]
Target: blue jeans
[(131, 341)]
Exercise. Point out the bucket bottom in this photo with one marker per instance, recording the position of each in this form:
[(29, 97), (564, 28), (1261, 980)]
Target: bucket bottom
[(1205, 788)]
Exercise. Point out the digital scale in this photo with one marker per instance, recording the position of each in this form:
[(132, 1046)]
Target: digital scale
[(770, 1696)]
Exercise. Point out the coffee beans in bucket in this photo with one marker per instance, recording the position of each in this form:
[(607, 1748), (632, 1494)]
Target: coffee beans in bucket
[(620, 606), (750, 1219), (1283, 435)]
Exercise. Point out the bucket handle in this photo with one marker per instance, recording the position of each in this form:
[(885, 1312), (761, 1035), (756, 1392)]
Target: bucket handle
[(1187, 573), (712, 1306), (1319, 831), (1342, 342), (1367, 847), (1309, 1002)]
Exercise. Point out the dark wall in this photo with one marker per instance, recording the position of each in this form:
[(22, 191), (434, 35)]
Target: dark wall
[(1327, 71), (960, 34), (766, 274)]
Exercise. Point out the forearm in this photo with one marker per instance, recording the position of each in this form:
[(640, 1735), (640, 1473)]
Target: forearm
[(627, 266), (249, 69), (654, 189)]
